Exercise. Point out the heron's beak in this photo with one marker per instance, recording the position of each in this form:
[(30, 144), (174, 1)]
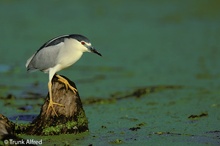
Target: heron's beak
[(95, 51)]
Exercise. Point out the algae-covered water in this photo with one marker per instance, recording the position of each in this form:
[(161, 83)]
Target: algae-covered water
[(158, 82)]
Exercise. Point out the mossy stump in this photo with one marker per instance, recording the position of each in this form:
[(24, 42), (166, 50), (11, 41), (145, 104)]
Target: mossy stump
[(70, 118)]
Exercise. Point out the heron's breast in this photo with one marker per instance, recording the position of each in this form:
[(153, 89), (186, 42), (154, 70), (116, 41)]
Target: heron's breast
[(69, 57)]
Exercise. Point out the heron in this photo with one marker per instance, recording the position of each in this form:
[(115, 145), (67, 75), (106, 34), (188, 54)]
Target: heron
[(57, 54)]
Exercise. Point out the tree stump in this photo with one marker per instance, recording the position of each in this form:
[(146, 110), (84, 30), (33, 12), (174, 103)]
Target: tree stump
[(71, 118)]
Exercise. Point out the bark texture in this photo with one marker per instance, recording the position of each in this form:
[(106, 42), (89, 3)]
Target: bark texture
[(71, 118)]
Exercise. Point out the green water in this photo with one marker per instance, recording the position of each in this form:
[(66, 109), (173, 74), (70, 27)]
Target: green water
[(144, 44)]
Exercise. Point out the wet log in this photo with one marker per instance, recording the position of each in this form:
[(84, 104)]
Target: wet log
[(8, 135), (6, 128), (70, 118)]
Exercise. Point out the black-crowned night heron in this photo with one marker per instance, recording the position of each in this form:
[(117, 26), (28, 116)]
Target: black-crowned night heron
[(57, 54)]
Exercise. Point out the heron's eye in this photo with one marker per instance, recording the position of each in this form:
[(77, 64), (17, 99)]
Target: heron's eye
[(83, 43)]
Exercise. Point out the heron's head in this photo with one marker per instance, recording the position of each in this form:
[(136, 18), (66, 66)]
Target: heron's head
[(85, 44)]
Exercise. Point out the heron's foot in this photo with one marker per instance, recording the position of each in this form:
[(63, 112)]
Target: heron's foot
[(51, 104), (66, 83)]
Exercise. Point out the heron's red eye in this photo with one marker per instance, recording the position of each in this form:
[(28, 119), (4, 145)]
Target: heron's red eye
[(83, 43)]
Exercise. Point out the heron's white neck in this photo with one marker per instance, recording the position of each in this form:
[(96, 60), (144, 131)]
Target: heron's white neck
[(70, 53)]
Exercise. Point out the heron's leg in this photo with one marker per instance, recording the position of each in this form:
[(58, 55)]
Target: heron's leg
[(66, 83), (51, 103)]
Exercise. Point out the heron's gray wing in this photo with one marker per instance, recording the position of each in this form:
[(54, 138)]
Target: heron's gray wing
[(44, 58), (31, 63)]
